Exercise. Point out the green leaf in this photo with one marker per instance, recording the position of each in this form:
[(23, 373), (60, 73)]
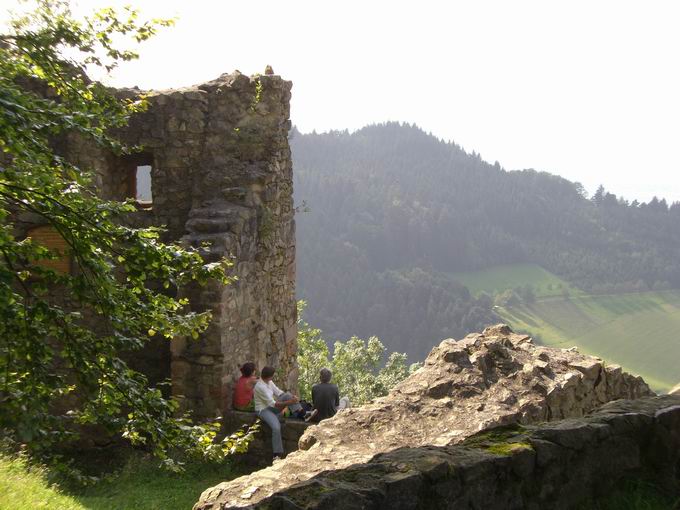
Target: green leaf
[(50, 347)]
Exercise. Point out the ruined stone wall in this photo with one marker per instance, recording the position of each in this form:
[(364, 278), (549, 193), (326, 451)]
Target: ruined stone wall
[(562, 466), (484, 381), (222, 182)]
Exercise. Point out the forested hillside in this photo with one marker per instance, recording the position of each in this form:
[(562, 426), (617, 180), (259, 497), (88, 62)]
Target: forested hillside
[(394, 213)]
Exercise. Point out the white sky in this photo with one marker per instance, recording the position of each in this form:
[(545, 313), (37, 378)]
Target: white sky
[(586, 89)]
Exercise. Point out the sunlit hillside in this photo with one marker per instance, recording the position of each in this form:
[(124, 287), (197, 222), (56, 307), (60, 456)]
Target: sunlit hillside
[(639, 331)]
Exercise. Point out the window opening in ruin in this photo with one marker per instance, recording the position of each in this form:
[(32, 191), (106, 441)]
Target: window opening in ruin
[(143, 185), (139, 167), (50, 238)]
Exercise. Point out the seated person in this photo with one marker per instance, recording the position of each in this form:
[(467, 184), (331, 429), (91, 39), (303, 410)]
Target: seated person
[(326, 398), (243, 392), (269, 402)]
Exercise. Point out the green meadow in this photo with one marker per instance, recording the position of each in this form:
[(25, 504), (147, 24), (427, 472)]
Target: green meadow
[(138, 485), (497, 279), (639, 331)]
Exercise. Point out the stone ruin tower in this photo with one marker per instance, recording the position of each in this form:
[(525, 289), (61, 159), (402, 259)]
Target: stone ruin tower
[(216, 172)]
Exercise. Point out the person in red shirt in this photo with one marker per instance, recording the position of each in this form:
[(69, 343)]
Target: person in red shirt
[(243, 393)]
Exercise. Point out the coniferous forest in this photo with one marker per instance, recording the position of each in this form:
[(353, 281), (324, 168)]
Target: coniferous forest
[(389, 213)]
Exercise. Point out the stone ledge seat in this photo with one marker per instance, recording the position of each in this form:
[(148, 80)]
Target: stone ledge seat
[(260, 450)]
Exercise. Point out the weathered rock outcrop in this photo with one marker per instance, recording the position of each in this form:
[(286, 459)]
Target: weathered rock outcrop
[(557, 466), (484, 381)]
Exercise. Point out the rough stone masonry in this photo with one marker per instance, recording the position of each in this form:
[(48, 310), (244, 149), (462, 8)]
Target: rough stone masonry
[(484, 381), (559, 465), (221, 181)]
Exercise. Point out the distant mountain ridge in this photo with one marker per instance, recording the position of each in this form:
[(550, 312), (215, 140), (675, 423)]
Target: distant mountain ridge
[(394, 212)]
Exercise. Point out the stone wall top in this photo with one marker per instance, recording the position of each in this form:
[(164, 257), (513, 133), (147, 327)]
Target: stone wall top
[(496, 378), (560, 465)]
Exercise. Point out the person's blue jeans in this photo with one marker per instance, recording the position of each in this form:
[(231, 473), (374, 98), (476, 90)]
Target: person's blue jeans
[(271, 416)]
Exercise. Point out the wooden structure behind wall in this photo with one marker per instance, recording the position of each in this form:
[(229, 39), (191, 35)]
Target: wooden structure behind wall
[(47, 236)]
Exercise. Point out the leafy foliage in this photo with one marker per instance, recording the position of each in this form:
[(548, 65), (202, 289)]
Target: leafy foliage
[(62, 333), (356, 364), (312, 354), (237, 442)]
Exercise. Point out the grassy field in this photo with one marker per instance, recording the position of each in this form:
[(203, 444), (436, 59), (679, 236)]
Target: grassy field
[(640, 331), (140, 485), (496, 280), (24, 489)]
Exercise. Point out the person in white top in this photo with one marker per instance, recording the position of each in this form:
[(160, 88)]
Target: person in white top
[(269, 402)]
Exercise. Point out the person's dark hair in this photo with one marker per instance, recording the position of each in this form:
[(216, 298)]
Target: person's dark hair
[(325, 375), (267, 373), (247, 369)]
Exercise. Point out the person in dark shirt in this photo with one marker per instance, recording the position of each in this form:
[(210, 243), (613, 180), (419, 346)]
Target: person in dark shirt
[(325, 397)]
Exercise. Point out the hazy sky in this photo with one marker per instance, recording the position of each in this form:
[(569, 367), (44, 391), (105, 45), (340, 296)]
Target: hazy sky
[(586, 89)]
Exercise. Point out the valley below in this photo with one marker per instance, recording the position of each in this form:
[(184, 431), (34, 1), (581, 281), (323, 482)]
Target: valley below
[(637, 330), (413, 239)]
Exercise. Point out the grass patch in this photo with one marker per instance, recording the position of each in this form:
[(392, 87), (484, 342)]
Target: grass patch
[(635, 495), (139, 485), (22, 487)]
